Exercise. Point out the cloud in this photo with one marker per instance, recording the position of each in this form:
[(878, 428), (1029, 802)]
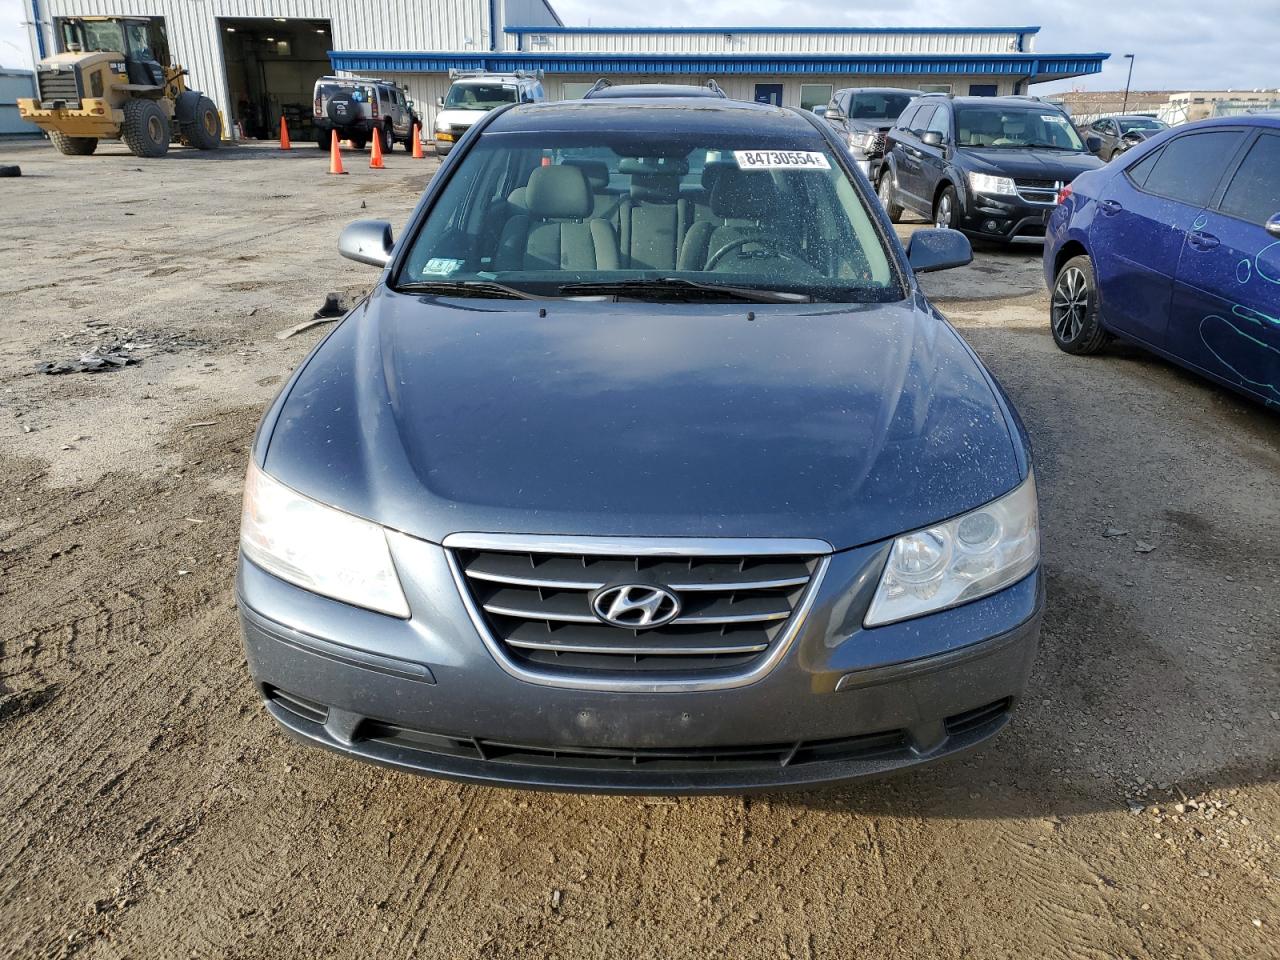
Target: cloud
[(1178, 44)]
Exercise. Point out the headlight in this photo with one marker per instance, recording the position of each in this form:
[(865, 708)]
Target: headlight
[(317, 547), (442, 126), (857, 140), (965, 558), (985, 183)]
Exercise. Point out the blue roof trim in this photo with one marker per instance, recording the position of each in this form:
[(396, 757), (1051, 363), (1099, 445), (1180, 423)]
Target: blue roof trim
[(511, 28), (1012, 64)]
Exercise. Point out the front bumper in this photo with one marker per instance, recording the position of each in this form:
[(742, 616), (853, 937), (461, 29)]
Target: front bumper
[(1005, 219), (91, 118), (425, 695)]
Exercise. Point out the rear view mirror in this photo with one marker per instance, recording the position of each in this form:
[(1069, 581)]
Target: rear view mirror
[(367, 241), (1273, 225), (1093, 143), (932, 138), (930, 250)]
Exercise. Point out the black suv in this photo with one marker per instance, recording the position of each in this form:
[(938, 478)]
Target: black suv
[(990, 166), (863, 116)]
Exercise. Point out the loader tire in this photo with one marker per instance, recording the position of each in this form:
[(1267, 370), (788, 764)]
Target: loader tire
[(145, 130), (205, 131), (73, 146)]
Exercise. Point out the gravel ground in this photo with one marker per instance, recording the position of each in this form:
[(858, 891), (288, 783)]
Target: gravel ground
[(148, 808)]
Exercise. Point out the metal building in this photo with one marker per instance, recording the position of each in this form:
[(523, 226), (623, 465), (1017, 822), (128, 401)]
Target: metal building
[(259, 58)]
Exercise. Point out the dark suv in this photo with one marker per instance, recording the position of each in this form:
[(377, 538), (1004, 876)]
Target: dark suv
[(991, 167), (863, 116)]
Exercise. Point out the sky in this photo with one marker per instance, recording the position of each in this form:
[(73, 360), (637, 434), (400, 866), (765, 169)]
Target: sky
[(1178, 44)]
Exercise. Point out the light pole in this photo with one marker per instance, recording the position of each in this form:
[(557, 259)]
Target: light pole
[(1125, 108)]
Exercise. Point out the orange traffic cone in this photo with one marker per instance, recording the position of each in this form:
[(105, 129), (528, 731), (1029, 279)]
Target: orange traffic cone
[(335, 154), (417, 143), (375, 156), (284, 135)]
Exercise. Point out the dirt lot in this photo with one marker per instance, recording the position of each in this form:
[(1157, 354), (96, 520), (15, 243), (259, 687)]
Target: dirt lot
[(148, 808)]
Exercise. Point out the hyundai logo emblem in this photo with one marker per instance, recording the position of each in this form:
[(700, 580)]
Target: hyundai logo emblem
[(636, 606)]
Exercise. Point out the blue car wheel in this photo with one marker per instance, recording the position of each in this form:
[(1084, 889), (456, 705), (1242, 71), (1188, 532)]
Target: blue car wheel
[(1073, 309)]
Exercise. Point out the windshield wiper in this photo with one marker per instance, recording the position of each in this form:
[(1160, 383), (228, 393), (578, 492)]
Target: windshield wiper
[(639, 287), (466, 288)]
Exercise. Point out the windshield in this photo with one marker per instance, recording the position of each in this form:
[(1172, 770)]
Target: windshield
[(1015, 128), (542, 212), (1141, 123), (878, 106), (479, 96), (104, 35)]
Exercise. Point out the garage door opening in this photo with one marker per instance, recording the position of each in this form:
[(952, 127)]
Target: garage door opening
[(272, 65)]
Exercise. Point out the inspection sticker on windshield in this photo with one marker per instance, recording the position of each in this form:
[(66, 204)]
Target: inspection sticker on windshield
[(781, 160), (441, 266), (1052, 118)]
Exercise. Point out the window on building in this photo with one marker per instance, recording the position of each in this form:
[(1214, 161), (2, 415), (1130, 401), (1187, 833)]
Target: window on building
[(1190, 166), (574, 89), (814, 95), (1254, 192), (934, 88)]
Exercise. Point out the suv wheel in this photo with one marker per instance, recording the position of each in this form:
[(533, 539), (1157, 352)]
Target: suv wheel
[(944, 209), (1074, 314), (388, 140), (887, 194)]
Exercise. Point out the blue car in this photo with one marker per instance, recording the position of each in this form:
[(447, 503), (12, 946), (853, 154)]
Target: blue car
[(1176, 247), (645, 466)]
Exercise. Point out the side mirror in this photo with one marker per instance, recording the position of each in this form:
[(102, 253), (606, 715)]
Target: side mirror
[(930, 250), (1273, 226), (1093, 143), (834, 114), (439, 101), (932, 138), (367, 241)]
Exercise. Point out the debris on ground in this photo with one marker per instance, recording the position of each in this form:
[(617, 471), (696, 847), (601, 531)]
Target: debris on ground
[(1116, 532), (1141, 546), (332, 310), (10, 170), (105, 356)]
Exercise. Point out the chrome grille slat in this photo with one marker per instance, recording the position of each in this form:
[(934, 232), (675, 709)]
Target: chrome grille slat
[(534, 606)]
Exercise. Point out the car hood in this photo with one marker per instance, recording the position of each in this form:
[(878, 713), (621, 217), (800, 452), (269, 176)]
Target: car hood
[(1031, 164), (459, 118), (844, 423)]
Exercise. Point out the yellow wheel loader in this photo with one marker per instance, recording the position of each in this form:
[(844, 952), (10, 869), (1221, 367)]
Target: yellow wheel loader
[(106, 83)]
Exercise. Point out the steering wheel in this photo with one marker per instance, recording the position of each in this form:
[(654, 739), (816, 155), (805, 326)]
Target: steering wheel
[(767, 242)]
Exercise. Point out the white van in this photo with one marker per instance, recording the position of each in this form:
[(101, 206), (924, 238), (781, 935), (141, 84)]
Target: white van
[(472, 95)]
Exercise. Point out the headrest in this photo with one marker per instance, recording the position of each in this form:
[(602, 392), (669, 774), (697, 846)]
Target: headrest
[(711, 173), (559, 193), (743, 194), (670, 166), (655, 188), (596, 171)]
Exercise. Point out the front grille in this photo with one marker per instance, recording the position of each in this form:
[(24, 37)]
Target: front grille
[(875, 144), (1039, 191), (655, 759), (458, 130), (59, 85), (297, 705), (537, 606)]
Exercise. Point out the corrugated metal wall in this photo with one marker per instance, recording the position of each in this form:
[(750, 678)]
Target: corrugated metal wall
[(196, 42), (606, 41), (15, 85)]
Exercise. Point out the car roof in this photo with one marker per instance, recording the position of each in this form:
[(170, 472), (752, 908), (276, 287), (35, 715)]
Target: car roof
[(1270, 119), (607, 91), (911, 90), (663, 115), (1031, 103)]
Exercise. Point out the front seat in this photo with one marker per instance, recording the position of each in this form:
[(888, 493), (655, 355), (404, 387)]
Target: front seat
[(744, 204), (558, 232)]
